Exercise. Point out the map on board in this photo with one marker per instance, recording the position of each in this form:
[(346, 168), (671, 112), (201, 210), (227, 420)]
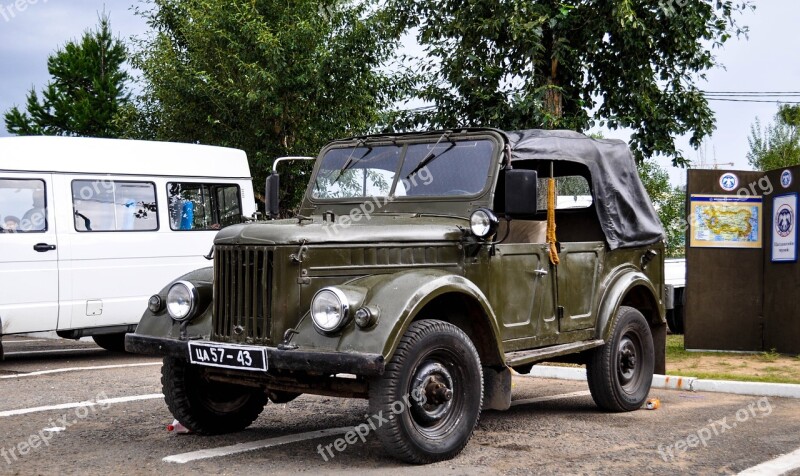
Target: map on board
[(725, 221)]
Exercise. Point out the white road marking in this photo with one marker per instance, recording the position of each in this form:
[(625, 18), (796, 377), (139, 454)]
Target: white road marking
[(550, 398), (776, 467), (55, 429), (254, 445), (27, 352), (65, 406), (77, 369)]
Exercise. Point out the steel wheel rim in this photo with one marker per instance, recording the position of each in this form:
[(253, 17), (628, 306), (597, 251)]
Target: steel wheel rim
[(629, 362), (436, 377)]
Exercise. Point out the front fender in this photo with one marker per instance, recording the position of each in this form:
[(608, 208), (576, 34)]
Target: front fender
[(161, 325), (399, 298)]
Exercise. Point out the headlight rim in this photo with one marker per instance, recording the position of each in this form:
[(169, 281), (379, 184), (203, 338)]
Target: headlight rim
[(494, 222), (195, 298), (344, 309)]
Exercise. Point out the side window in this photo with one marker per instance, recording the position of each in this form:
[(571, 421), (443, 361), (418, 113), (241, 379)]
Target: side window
[(110, 205), (572, 191), (203, 206), (23, 206)]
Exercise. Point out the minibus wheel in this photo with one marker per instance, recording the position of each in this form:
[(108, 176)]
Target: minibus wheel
[(112, 342)]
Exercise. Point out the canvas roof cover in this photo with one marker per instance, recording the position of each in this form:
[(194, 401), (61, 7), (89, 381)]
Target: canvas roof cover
[(626, 214)]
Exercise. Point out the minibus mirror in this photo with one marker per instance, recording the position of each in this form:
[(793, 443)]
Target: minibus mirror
[(271, 195)]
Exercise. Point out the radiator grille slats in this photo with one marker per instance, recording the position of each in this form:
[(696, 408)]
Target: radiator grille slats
[(242, 287)]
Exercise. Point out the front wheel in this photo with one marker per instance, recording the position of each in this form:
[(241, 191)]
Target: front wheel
[(621, 371), (430, 397), (208, 407)]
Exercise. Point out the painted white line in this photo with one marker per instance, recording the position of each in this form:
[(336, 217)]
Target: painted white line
[(77, 369), (549, 398), (23, 341), (29, 352), (65, 406), (254, 445), (776, 467)]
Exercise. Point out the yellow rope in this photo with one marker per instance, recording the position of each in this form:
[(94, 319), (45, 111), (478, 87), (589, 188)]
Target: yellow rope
[(551, 220)]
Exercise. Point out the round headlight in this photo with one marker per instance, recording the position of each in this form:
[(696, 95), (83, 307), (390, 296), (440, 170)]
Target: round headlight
[(329, 309), (181, 300), (483, 223)]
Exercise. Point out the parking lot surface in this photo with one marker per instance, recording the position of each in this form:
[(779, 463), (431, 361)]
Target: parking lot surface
[(71, 408)]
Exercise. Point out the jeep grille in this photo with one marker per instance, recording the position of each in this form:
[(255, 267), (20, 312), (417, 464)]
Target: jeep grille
[(242, 293)]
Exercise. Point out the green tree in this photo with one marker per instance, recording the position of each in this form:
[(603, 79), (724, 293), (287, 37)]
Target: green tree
[(570, 64), (270, 77), (87, 90), (777, 146), (669, 202)]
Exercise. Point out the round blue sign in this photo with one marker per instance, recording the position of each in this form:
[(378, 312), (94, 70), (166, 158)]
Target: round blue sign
[(786, 178), (728, 181)]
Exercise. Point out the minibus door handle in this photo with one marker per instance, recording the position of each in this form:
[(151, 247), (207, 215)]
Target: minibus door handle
[(43, 247)]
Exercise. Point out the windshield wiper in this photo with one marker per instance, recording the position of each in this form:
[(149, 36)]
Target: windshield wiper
[(351, 162), (432, 155)]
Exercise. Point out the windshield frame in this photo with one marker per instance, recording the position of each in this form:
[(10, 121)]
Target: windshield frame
[(403, 141)]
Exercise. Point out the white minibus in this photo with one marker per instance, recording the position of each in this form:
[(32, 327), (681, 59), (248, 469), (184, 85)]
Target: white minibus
[(91, 228)]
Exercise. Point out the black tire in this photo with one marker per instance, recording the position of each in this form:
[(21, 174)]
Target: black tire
[(206, 407), (675, 319), (280, 396), (112, 342), (621, 371), (437, 360)]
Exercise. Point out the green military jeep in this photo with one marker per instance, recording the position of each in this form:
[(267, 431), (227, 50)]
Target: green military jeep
[(420, 270)]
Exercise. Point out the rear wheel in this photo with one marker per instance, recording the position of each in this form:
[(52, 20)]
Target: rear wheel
[(208, 407), (430, 395), (621, 371), (112, 342)]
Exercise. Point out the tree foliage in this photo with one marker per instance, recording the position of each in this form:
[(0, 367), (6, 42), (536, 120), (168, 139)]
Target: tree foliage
[(87, 90), (274, 78), (570, 64), (669, 202), (778, 145)]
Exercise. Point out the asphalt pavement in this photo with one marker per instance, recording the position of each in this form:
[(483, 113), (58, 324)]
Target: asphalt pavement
[(72, 408)]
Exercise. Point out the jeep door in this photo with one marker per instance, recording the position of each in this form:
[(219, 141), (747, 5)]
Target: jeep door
[(522, 291)]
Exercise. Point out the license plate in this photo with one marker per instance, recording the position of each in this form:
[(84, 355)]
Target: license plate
[(229, 356)]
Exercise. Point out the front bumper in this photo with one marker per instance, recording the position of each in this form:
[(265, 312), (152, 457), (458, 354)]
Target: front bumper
[(367, 365)]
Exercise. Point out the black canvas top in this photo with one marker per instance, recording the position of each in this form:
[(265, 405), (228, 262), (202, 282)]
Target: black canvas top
[(626, 214)]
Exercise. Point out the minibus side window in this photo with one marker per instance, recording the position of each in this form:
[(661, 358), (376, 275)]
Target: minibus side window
[(111, 205), (23, 206), (203, 206)]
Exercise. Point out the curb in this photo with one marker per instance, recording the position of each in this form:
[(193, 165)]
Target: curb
[(687, 384)]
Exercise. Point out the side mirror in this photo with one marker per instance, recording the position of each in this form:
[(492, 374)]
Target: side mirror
[(271, 195), (521, 192)]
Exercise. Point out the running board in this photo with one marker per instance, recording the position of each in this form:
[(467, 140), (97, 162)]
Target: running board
[(537, 355)]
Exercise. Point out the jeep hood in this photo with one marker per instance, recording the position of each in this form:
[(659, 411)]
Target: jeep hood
[(406, 228)]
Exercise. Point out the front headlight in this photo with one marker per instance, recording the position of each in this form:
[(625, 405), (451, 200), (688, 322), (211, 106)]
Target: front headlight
[(330, 310), (483, 223), (182, 300)]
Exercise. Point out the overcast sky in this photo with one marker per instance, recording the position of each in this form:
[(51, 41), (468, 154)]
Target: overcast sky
[(768, 61)]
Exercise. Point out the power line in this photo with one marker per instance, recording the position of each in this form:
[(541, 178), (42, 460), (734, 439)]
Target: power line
[(774, 101)]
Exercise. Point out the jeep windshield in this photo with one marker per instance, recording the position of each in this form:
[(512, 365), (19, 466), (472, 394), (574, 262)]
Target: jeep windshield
[(435, 169)]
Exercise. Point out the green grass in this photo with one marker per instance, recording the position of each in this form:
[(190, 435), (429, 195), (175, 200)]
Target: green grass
[(742, 378), (731, 366)]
